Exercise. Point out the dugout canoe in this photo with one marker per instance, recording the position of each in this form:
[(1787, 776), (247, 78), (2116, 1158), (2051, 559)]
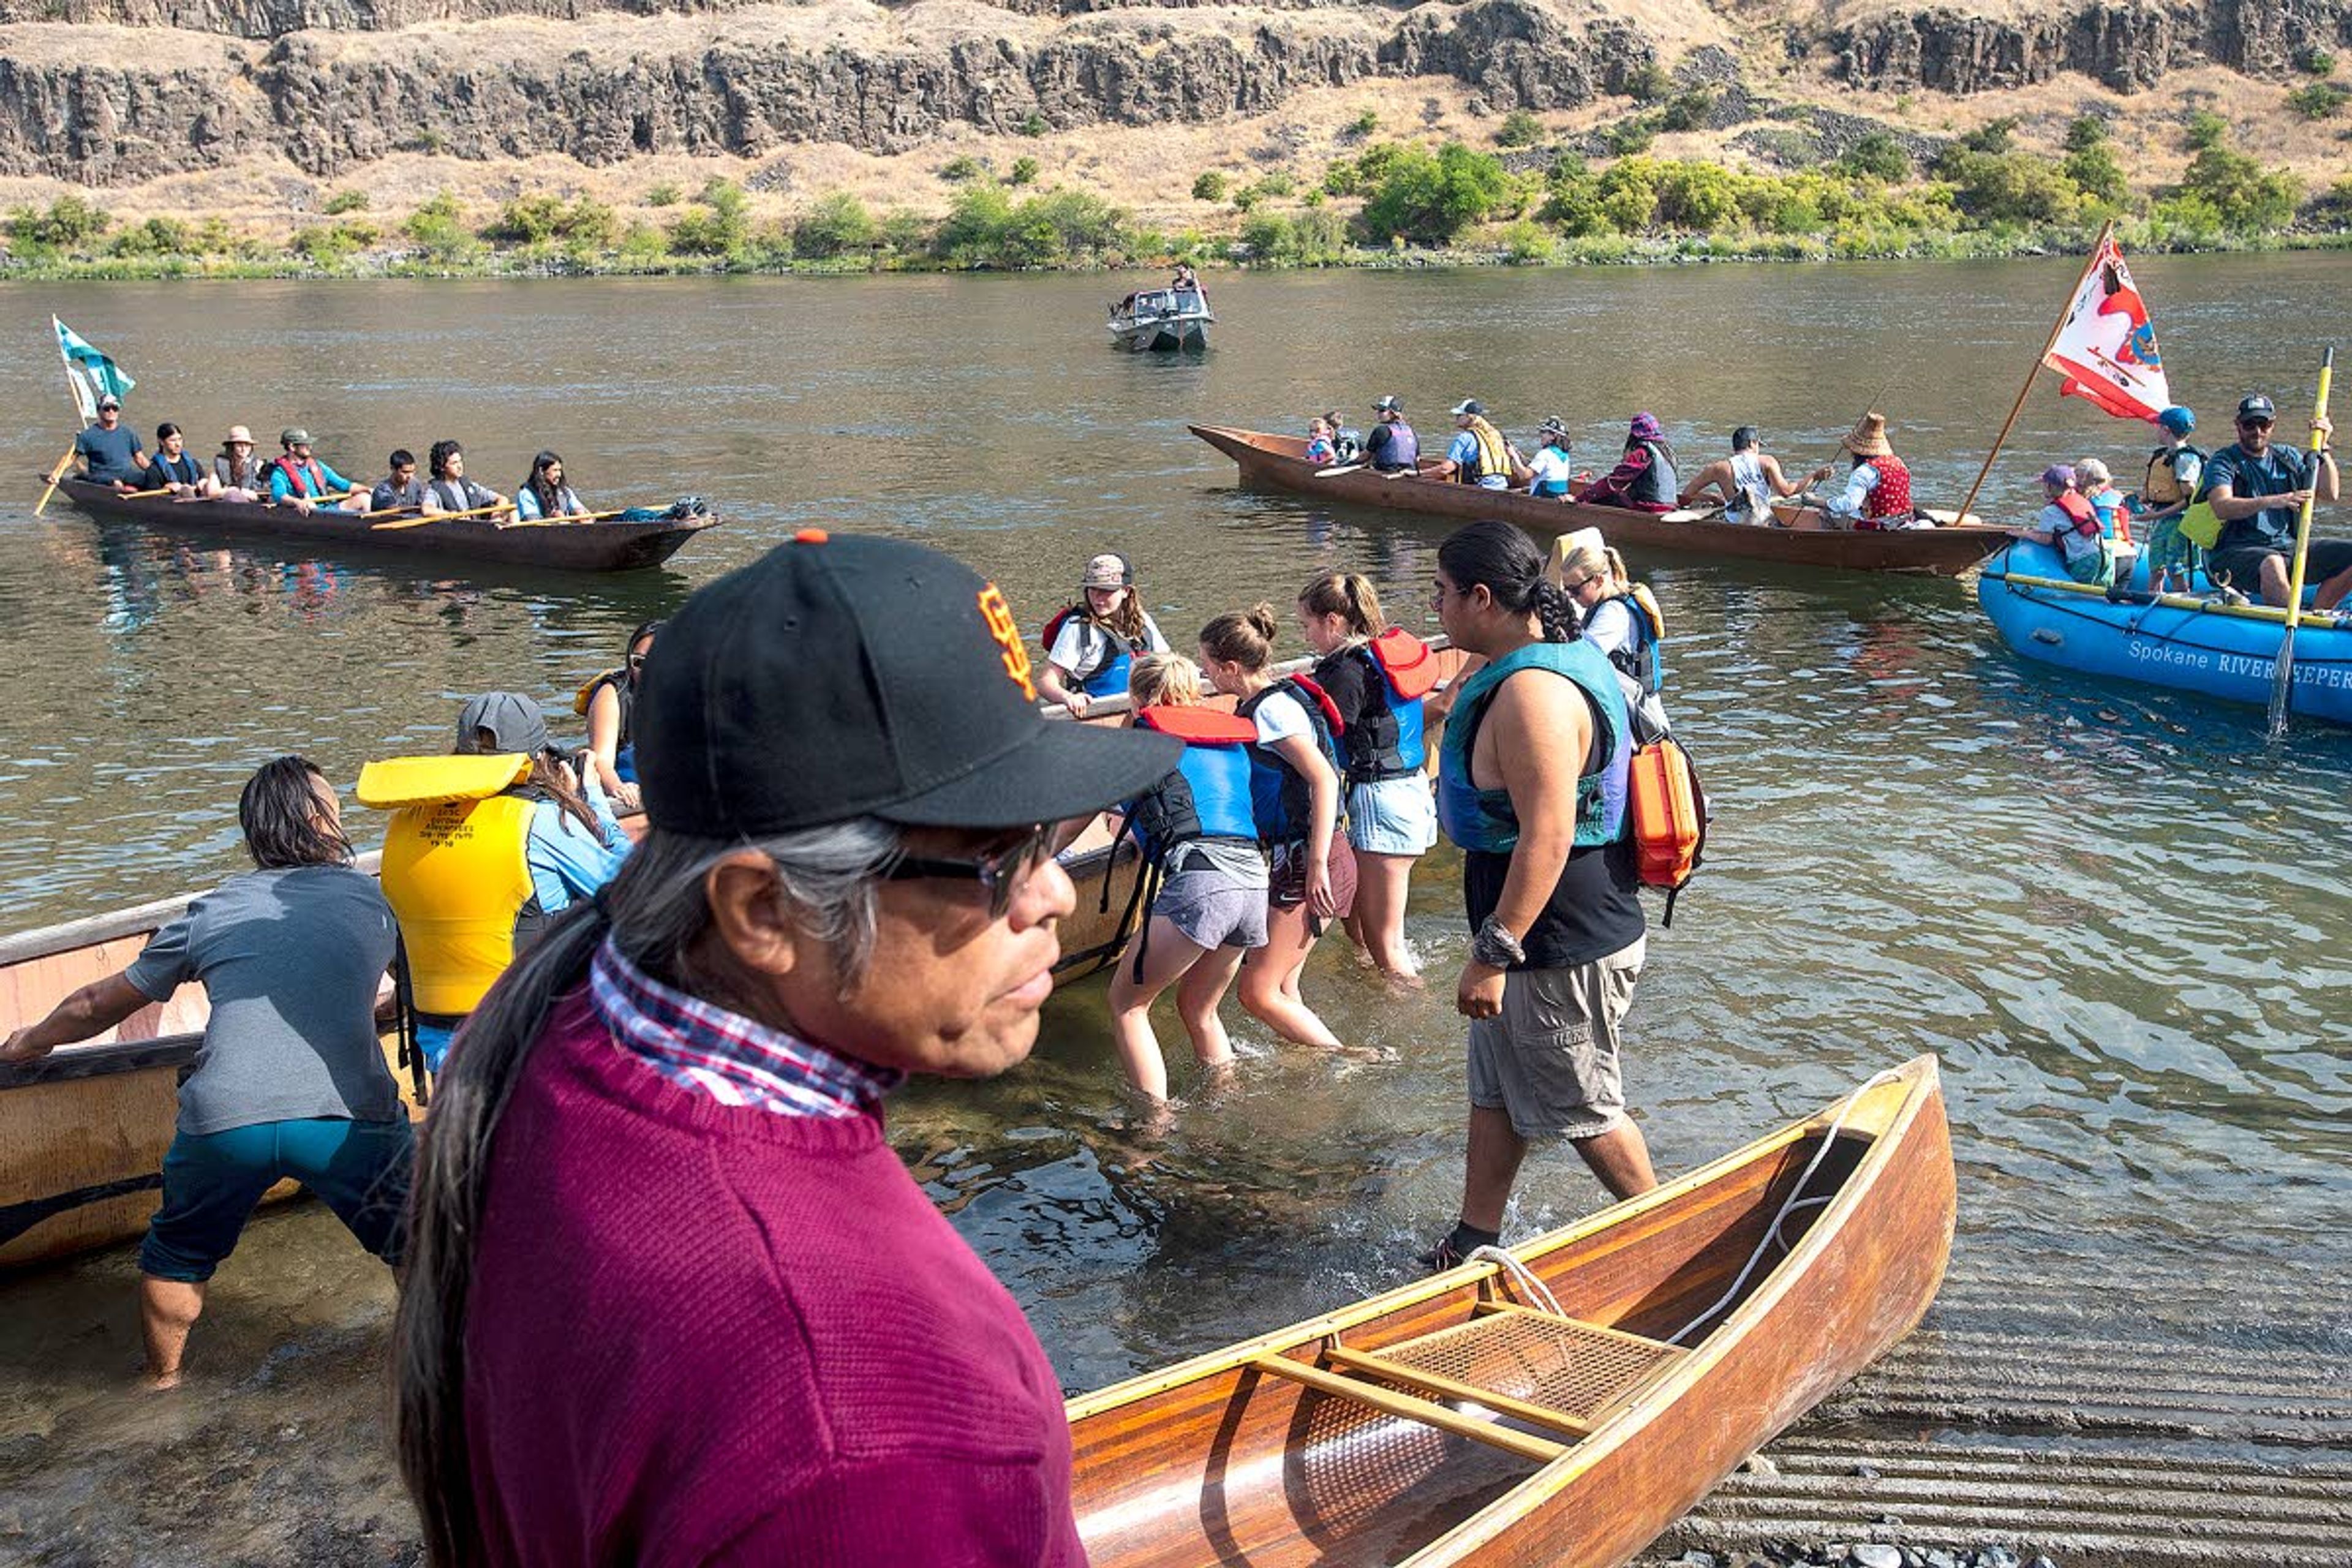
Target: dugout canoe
[(609, 545), (1280, 462), (1466, 1419), (2189, 642)]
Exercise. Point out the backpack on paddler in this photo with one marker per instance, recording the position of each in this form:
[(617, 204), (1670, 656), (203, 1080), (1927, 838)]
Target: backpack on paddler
[(1665, 808)]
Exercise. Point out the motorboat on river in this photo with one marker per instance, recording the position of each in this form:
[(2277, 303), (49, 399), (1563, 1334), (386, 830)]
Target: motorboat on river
[(1162, 321)]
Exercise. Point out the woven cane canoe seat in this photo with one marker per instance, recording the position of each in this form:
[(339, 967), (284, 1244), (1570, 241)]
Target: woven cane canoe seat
[(1577, 1368)]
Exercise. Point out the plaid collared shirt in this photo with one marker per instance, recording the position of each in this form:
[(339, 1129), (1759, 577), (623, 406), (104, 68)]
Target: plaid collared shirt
[(724, 1055)]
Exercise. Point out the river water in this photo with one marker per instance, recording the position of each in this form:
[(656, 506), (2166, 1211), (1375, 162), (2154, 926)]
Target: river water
[(2116, 914)]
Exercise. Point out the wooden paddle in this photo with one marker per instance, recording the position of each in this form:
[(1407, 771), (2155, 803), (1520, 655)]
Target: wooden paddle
[(2282, 676), (436, 515), (55, 476), (142, 495), (567, 517), (1337, 470)]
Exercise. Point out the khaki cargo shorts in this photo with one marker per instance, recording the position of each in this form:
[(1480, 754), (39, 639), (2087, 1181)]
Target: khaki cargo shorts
[(1550, 1060)]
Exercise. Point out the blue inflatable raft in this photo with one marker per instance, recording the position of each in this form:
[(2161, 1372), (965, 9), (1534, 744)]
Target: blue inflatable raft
[(2187, 642)]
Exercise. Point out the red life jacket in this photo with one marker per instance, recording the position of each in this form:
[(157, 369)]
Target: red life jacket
[(1891, 497), (305, 478), (2081, 513)]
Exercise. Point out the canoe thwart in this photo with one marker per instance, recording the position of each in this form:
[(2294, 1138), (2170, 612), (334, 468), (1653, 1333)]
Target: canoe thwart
[(1543, 1450)]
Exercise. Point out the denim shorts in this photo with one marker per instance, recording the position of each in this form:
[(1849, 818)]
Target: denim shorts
[(1392, 816), (1212, 909), (212, 1180), (1550, 1060)]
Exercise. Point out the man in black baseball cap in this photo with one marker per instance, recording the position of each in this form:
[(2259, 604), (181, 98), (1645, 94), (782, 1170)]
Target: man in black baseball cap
[(2257, 488), (665, 1120)]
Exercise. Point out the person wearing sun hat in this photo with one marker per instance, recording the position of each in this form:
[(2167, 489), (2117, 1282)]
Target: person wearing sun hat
[(241, 479), (670, 1288), (1091, 645), (1877, 492)]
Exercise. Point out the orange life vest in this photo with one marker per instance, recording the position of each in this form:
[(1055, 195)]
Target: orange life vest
[(1667, 807)]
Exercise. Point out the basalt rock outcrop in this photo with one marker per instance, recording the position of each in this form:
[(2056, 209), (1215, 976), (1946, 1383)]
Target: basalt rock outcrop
[(107, 91)]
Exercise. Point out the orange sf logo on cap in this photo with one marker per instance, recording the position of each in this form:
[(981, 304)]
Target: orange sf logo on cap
[(999, 617)]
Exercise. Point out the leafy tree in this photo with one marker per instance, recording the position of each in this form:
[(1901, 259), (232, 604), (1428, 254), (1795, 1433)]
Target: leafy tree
[(156, 237), (439, 229), (2245, 196), (1520, 128), (969, 235), (722, 227), (1209, 185), (1629, 195), (834, 226), (1701, 197), (2097, 174), (2008, 187), (1430, 199), (70, 224), (2086, 131)]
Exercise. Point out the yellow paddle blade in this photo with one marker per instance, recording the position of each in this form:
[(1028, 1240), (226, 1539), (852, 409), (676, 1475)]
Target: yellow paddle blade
[(428, 780)]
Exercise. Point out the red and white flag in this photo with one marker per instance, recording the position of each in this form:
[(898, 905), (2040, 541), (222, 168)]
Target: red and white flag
[(2107, 348)]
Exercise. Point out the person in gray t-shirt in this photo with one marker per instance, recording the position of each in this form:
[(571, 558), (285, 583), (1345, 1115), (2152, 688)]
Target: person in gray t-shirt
[(290, 1081)]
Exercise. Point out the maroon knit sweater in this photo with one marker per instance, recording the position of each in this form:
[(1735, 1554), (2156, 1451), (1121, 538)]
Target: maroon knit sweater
[(703, 1333)]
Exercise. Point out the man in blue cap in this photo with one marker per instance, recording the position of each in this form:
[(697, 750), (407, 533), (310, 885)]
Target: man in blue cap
[(2258, 487)]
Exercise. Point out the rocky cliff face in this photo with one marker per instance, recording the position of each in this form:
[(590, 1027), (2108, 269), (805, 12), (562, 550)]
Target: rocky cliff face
[(120, 90), (2127, 46)]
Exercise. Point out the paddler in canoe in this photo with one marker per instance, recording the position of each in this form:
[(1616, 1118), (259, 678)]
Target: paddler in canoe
[(669, 1285), (1643, 478), (298, 479), (1748, 482), (1877, 493)]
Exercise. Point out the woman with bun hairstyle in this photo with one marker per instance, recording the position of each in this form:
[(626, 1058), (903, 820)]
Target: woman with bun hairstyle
[(1296, 791), (1391, 819), (1195, 826)]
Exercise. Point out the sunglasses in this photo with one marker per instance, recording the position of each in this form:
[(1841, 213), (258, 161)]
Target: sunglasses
[(2255, 423), (1580, 582), (1004, 873), (637, 661)]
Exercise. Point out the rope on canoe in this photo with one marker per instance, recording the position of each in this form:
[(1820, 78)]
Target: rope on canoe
[(1522, 1277), (1787, 1206)]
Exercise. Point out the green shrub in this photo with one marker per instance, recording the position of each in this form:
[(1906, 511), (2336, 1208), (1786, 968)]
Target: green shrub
[(957, 170), (1363, 125), (833, 226), (722, 227), (588, 224), (156, 237), (1277, 183), (1875, 155), (1649, 83), (1629, 137), (2086, 131), (2205, 128), (2317, 61), (1572, 200), (1700, 197), (967, 234), (1430, 199), (1520, 128), (1993, 137), (906, 233), (1343, 178), (1024, 172), (1209, 185), (2007, 187), (1629, 195), (1688, 111), (2244, 196), (343, 202), (1035, 125), (439, 229), (1525, 242), (665, 194), (70, 224), (322, 245), (2319, 100), (643, 246), (527, 220), (2097, 174)]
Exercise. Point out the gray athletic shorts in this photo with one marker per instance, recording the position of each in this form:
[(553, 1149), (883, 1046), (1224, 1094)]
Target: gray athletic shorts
[(1550, 1060), (1213, 910)]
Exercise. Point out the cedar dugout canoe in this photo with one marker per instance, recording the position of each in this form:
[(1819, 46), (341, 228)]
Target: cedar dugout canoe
[(85, 1129), (1460, 1420), (609, 545), (1280, 462)]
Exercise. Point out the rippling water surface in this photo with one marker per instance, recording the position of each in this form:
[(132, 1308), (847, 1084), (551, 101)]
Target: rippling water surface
[(2117, 915)]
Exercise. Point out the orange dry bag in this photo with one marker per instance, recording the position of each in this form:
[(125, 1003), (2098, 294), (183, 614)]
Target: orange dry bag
[(1669, 813)]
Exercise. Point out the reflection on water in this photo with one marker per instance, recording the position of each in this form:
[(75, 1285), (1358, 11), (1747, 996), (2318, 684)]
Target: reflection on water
[(2116, 914)]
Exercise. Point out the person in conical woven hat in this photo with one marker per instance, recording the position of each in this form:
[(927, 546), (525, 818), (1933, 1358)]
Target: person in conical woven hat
[(1877, 488)]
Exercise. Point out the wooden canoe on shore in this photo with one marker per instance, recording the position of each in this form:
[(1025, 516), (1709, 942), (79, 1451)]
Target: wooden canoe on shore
[(608, 545), (1280, 462), (1467, 1419)]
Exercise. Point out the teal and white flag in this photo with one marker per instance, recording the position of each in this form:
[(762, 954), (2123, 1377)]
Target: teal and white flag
[(90, 373)]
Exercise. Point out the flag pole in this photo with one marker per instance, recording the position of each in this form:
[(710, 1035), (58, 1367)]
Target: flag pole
[(2026, 390), (2282, 673), (82, 412)]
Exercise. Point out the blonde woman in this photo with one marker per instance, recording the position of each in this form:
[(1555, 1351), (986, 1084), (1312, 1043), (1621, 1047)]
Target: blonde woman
[(1620, 618)]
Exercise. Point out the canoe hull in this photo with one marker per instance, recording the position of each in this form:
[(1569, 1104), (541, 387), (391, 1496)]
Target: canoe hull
[(1213, 1461), (611, 546), (2229, 657), (1170, 336), (1280, 462)]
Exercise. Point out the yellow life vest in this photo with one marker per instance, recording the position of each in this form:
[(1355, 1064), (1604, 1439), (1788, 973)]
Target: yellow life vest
[(1494, 454), (455, 870)]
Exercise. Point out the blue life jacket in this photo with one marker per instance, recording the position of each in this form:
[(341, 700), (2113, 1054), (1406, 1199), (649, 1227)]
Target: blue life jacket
[(1642, 663), (1483, 819), (1389, 741), (1281, 798), (183, 469), (1110, 678), (1208, 795), (1403, 450)]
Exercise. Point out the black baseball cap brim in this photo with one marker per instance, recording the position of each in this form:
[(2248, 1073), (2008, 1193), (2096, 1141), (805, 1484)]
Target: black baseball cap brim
[(1063, 769)]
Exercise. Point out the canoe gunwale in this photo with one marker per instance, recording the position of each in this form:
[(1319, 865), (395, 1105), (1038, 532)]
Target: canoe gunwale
[(1921, 1084)]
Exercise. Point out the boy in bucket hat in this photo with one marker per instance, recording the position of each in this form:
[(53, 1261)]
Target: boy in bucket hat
[(670, 1284)]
